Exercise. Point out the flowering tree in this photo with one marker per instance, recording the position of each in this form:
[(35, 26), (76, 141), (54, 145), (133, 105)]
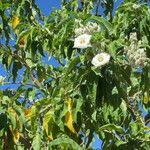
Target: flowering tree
[(101, 85)]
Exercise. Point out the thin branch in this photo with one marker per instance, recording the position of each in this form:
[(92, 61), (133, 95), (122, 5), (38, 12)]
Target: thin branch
[(35, 81)]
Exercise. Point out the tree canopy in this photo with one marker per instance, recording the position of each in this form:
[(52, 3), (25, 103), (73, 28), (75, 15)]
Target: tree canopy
[(100, 86)]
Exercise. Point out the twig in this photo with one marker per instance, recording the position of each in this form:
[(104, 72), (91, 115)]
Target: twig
[(35, 81)]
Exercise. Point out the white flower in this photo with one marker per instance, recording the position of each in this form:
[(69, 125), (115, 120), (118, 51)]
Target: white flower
[(82, 41), (100, 59), (141, 51)]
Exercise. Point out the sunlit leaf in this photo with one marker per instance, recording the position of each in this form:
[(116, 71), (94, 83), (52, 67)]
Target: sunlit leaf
[(36, 144), (15, 21), (68, 116)]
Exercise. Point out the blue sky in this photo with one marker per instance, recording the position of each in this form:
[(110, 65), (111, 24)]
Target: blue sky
[(47, 5)]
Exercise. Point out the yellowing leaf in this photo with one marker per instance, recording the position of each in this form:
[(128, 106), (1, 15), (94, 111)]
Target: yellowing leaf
[(48, 124), (16, 135), (13, 117), (145, 99), (11, 110), (69, 121), (28, 112), (69, 103), (147, 128), (68, 116), (15, 21)]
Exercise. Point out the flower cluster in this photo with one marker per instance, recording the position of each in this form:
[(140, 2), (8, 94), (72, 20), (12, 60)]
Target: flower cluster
[(89, 28), (83, 33), (136, 56), (82, 39)]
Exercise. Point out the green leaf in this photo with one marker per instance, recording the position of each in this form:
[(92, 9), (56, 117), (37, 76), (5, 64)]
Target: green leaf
[(111, 127), (11, 116), (107, 25), (16, 66), (3, 121), (36, 143), (41, 73), (65, 141), (48, 123), (69, 67)]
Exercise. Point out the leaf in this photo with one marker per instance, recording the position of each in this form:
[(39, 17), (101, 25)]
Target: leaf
[(28, 113), (34, 116), (16, 135), (145, 99), (72, 64), (111, 127), (36, 144), (22, 37), (65, 141), (16, 66), (20, 116), (3, 121), (135, 128), (8, 140), (12, 116), (123, 107), (48, 123), (69, 121), (22, 41), (15, 21), (107, 25), (68, 117), (41, 73)]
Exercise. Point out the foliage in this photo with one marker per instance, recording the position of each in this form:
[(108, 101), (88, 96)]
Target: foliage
[(61, 106)]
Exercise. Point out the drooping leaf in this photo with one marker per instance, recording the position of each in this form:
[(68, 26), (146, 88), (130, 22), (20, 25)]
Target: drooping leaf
[(68, 116)]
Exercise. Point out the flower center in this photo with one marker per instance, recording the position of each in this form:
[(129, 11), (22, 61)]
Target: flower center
[(100, 59), (82, 41)]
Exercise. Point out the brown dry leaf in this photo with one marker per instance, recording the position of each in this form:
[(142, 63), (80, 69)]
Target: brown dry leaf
[(22, 41)]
